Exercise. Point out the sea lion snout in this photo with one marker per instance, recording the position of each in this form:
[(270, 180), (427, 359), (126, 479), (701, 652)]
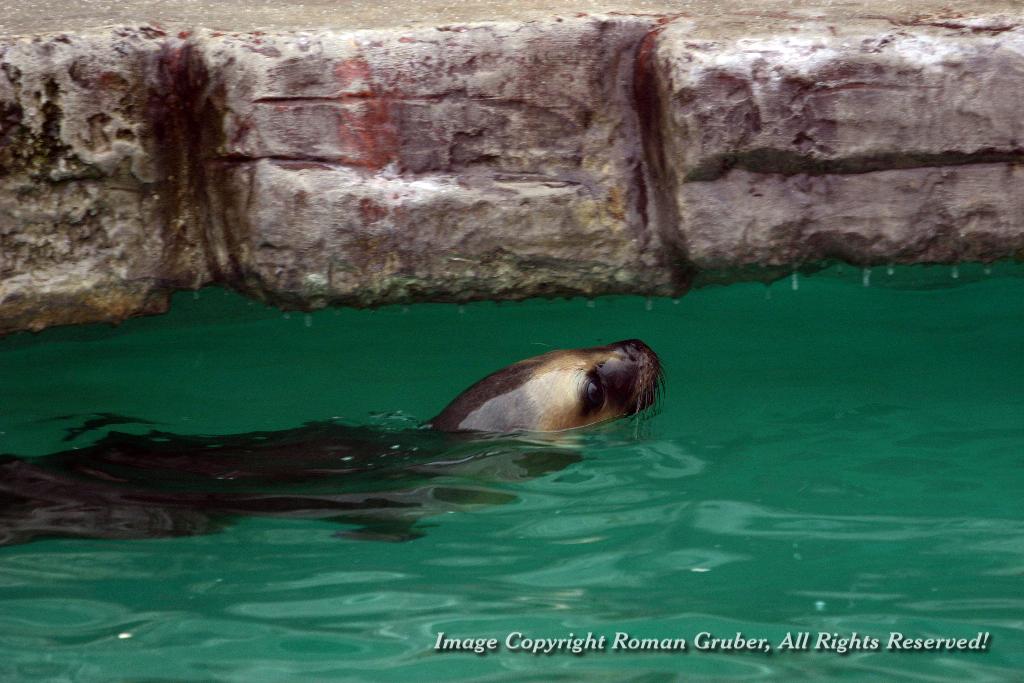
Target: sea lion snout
[(631, 377), (634, 349)]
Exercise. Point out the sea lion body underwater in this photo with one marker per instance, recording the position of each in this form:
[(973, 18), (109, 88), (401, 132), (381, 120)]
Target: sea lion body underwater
[(162, 484)]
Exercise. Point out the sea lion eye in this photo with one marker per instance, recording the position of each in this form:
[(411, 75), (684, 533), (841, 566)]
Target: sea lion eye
[(594, 393)]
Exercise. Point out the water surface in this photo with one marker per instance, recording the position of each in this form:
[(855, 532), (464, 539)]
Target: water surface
[(829, 457)]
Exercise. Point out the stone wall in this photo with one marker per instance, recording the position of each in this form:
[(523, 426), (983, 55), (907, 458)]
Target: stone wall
[(573, 155)]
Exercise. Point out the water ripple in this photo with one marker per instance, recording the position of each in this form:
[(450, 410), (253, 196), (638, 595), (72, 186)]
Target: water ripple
[(738, 518)]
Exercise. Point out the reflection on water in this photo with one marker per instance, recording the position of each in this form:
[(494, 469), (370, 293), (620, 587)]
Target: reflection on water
[(160, 484), (835, 458), (744, 519)]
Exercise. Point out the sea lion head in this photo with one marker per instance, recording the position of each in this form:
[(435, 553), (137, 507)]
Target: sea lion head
[(558, 390)]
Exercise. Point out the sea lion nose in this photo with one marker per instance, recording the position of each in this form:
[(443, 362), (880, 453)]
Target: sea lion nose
[(633, 348)]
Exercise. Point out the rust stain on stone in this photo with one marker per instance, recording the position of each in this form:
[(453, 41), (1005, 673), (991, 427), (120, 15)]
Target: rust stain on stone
[(366, 128), (371, 211), (617, 203)]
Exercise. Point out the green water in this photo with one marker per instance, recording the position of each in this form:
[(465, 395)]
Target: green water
[(833, 458)]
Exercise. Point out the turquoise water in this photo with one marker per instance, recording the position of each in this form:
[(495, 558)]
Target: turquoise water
[(828, 458)]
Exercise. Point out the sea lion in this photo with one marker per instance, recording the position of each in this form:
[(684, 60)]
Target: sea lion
[(382, 481), (559, 390)]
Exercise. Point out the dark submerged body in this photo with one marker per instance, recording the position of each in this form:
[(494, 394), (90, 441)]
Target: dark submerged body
[(160, 484), (382, 482)]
